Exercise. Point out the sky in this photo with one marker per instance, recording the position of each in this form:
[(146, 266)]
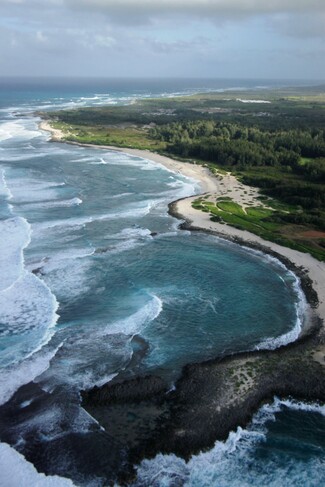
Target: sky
[(283, 39)]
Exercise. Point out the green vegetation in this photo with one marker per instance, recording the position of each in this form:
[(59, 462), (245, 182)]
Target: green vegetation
[(269, 223), (277, 146), (128, 136)]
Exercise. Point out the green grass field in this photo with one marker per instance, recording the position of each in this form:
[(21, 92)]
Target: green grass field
[(259, 220)]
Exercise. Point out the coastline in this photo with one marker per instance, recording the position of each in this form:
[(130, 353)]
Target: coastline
[(199, 220), (300, 263), (187, 169), (211, 398)]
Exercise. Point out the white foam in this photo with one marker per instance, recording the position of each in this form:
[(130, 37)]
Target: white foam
[(53, 204), (75, 102), (26, 157), (135, 323), (131, 232), (68, 279), (232, 463), (70, 222), (85, 352), (47, 422), (27, 305), (84, 159), (128, 238), (28, 190), (4, 190), (16, 471), (133, 211), (15, 376), (124, 246), (179, 189), (66, 273), (252, 101), (190, 187), (17, 129), (121, 195), (98, 162), (271, 343), (126, 159), (175, 184), (298, 406), (58, 259), (25, 404), (292, 335), (15, 236)]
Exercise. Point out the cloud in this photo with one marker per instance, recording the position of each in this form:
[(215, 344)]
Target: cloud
[(161, 37), (149, 12), (284, 14), (186, 6), (41, 37), (12, 1), (194, 46), (301, 26), (200, 7)]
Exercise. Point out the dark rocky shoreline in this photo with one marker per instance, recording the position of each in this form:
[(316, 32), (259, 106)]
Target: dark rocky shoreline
[(212, 398)]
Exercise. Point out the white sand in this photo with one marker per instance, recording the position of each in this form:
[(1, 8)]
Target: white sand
[(57, 134), (229, 186)]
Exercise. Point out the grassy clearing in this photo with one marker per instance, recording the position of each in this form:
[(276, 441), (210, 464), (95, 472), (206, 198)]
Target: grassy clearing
[(126, 136), (231, 207), (262, 222)]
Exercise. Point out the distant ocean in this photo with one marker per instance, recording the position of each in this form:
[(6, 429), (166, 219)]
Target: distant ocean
[(90, 260)]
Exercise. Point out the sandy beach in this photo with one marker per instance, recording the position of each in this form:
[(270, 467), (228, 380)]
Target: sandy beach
[(202, 174), (220, 186)]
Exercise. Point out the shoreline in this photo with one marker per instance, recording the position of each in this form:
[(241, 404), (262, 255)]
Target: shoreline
[(217, 396), (201, 174), (302, 264)]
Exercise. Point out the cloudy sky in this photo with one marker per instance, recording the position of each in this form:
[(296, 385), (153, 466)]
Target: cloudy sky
[(165, 38)]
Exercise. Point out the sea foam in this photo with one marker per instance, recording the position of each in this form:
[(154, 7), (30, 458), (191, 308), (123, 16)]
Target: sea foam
[(232, 463), (53, 204), (16, 471), (4, 190), (132, 211), (127, 239), (28, 190), (15, 376), (27, 306), (271, 343), (16, 235), (18, 130), (135, 323)]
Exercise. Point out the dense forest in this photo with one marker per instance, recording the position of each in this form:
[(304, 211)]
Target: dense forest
[(269, 159), (229, 144)]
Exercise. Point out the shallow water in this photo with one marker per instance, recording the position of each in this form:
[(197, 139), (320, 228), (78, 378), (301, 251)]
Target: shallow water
[(83, 272)]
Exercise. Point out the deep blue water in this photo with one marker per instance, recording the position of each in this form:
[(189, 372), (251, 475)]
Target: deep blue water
[(82, 274)]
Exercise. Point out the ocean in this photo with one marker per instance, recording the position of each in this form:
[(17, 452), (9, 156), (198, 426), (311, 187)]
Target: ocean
[(96, 279)]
